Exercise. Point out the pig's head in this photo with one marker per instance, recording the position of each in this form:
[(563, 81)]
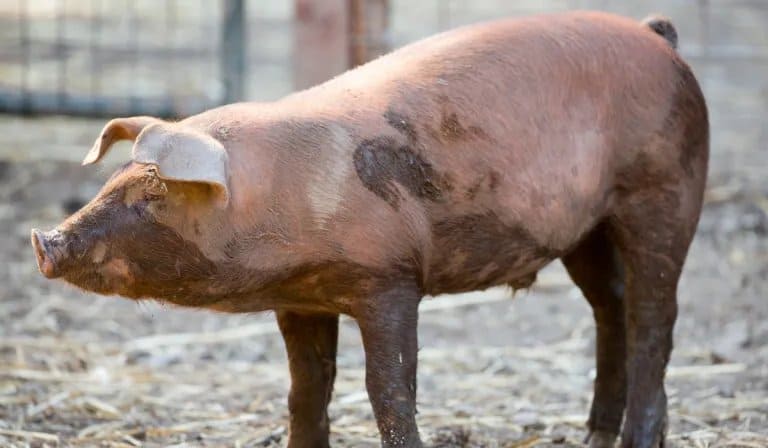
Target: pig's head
[(142, 235)]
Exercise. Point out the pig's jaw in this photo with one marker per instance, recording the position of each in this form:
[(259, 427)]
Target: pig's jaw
[(229, 288), (112, 277)]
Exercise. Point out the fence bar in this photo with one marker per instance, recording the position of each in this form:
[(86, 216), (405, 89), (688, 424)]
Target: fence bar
[(170, 43), (94, 47), (368, 36), (34, 103), (61, 52), (233, 51), (23, 104), (320, 45), (133, 26)]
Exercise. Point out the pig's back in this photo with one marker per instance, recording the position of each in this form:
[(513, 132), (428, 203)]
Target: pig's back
[(511, 62)]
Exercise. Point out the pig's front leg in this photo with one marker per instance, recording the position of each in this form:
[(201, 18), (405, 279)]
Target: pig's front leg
[(388, 323), (310, 340)]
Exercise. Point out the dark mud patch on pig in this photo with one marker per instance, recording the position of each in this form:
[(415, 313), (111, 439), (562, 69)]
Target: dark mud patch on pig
[(402, 124), (381, 162), (690, 115), (451, 129), (487, 182), (480, 250)]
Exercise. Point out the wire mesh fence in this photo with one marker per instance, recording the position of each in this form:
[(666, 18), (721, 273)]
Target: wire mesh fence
[(97, 57), (176, 57)]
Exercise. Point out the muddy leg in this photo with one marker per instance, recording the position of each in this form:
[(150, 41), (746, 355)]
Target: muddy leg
[(651, 314), (310, 340), (388, 324), (653, 232), (596, 269)]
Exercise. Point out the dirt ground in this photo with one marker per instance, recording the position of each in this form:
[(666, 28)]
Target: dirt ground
[(494, 371)]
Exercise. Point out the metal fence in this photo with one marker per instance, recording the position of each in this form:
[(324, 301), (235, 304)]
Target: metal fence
[(176, 57), (96, 57)]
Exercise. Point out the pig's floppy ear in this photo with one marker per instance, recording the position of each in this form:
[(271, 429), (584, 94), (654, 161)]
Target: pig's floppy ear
[(184, 155), (116, 130)]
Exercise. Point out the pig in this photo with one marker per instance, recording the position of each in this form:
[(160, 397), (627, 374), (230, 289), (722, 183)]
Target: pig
[(468, 160)]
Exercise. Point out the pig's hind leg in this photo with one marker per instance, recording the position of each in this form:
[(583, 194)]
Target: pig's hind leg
[(310, 340), (654, 227), (653, 219), (595, 267)]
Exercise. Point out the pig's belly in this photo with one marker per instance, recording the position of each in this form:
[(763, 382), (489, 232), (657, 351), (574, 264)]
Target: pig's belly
[(478, 251)]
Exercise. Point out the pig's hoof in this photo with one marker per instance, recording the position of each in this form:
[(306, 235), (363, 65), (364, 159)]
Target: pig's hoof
[(601, 439), (654, 438)]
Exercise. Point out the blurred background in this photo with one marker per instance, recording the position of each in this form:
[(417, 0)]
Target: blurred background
[(81, 370)]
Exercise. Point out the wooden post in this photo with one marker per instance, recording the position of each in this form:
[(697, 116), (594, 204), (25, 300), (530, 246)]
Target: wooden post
[(368, 30), (320, 41), (233, 51)]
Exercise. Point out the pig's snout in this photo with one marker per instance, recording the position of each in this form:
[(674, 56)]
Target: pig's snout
[(47, 252)]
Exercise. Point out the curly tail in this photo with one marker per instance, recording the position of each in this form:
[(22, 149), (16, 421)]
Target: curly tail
[(663, 27)]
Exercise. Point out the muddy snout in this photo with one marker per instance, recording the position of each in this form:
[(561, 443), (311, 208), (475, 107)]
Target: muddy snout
[(48, 251)]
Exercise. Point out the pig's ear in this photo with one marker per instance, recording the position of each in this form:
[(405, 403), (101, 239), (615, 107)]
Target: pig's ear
[(116, 130), (184, 155)]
